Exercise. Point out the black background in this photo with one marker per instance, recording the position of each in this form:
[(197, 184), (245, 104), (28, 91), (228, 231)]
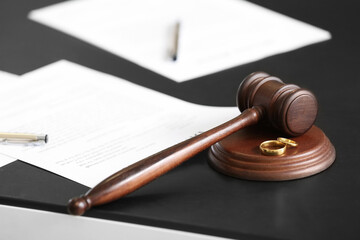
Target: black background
[(193, 197)]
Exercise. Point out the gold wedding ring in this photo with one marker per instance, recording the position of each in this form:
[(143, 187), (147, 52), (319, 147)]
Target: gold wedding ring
[(272, 148), (287, 141)]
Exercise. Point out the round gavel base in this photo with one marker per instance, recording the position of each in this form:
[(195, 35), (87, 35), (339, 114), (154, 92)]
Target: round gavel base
[(239, 155)]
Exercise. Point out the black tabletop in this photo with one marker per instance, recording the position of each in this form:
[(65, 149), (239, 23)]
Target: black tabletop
[(194, 197)]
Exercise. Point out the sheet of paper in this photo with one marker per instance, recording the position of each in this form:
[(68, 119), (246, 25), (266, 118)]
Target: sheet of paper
[(6, 77), (97, 124), (26, 223), (214, 34), (5, 80)]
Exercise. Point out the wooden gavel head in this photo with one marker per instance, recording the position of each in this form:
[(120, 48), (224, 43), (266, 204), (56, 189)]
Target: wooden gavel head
[(287, 107)]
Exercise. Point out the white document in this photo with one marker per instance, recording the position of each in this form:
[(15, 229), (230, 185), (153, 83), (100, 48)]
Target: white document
[(214, 34), (5, 80), (8, 78), (4, 159), (24, 223), (97, 123)]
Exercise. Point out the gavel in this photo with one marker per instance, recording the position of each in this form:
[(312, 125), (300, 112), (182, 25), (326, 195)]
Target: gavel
[(287, 107)]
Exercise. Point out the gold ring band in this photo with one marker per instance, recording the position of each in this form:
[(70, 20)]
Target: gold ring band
[(272, 148), (287, 141)]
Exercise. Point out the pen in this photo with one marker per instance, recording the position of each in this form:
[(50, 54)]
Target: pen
[(22, 137), (174, 52)]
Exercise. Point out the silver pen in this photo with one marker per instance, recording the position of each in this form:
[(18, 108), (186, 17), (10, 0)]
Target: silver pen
[(23, 138)]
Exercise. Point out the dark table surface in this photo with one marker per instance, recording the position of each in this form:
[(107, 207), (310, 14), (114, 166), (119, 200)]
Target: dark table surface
[(194, 197)]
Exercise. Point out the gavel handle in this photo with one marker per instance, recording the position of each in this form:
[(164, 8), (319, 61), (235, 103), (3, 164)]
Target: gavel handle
[(142, 172)]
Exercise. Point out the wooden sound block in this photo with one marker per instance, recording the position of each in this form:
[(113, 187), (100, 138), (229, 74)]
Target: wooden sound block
[(238, 155)]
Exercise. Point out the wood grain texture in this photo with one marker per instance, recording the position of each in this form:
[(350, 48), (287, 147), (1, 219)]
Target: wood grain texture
[(239, 156), (287, 107), (140, 173)]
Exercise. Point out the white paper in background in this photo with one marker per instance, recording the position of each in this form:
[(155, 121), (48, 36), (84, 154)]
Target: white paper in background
[(97, 123), (214, 34), (25, 223), (5, 80), (6, 77)]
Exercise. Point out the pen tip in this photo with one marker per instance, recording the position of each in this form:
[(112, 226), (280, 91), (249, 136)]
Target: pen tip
[(46, 138), (174, 58)]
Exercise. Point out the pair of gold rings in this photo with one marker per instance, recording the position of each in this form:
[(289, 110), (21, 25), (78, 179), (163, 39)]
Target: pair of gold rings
[(276, 147)]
